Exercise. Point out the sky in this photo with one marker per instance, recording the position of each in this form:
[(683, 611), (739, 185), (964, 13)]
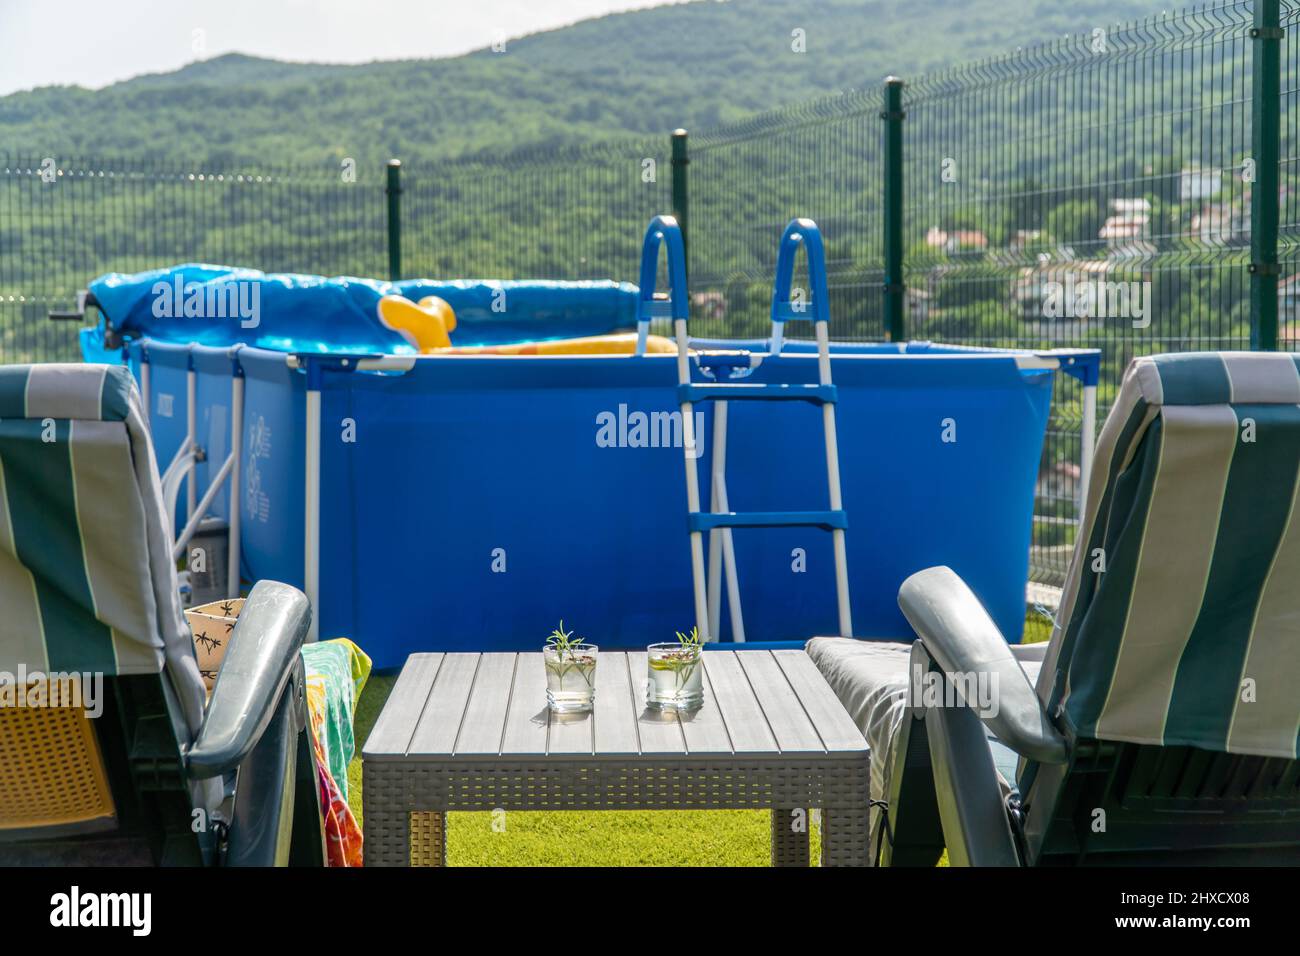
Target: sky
[(97, 42)]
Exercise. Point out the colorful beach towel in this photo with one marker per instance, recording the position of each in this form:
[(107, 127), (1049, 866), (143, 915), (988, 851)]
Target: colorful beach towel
[(336, 673)]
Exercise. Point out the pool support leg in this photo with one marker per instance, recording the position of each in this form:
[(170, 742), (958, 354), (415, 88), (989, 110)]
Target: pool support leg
[(311, 495), (1087, 444), (191, 427), (236, 457), (145, 376)]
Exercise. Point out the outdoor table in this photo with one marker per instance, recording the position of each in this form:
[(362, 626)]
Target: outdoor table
[(473, 732)]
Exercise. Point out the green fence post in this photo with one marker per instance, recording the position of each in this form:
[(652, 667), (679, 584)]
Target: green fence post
[(393, 189), (1265, 109), (681, 201), (895, 291)]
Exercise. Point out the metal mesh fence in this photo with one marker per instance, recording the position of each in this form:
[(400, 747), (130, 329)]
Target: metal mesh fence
[(1288, 292), (566, 213), (536, 213), (820, 160), (1092, 192), (66, 221)]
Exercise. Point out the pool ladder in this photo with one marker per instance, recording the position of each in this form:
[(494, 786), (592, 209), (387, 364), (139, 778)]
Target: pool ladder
[(720, 520)]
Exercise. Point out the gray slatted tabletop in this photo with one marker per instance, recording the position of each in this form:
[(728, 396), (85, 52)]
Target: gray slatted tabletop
[(473, 732)]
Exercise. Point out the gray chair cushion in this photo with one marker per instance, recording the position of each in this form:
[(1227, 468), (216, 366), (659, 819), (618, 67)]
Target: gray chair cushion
[(871, 681)]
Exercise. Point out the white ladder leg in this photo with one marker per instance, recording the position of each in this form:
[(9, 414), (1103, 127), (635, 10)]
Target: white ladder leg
[(733, 587), (727, 557), (715, 578), (718, 504), (690, 452), (720, 540), (724, 560), (833, 480)]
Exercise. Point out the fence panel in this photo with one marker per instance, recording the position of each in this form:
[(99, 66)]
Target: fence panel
[(574, 212), (1093, 192), (65, 221), (821, 160), (1288, 290)]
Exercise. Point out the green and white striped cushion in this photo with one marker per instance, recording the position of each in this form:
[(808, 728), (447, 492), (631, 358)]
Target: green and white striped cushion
[(1191, 633), (87, 582)]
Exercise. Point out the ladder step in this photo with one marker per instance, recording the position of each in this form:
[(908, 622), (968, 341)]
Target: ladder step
[(793, 312), (655, 309), (707, 521), (816, 394)]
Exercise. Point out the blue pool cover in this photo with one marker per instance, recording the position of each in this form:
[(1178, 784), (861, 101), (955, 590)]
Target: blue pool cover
[(222, 306)]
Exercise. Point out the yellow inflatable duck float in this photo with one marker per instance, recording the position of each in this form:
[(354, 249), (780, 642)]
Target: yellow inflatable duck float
[(426, 324)]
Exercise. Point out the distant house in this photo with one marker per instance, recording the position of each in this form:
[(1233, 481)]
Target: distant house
[(1196, 184), (1127, 230), (1130, 205), (1221, 224), (709, 305), (1032, 286), (1288, 313), (917, 305), (956, 241), (1022, 239), (1060, 482)]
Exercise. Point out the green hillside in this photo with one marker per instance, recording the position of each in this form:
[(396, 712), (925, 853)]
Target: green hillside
[(647, 71)]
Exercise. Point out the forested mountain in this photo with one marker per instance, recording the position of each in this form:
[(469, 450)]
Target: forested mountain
[(691, 65)]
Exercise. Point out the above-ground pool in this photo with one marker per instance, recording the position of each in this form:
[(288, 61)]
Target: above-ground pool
[(472, 502)]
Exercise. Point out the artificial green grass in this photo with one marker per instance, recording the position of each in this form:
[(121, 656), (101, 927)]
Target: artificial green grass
[(1038, 627), (597, 838), (614, 838), (602, 837)]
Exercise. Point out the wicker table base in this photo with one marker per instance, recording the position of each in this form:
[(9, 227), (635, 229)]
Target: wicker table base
[(406, 802)]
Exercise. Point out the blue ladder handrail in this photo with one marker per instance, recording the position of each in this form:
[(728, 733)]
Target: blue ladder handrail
[(663, 230), (800, 232), (719, 521)]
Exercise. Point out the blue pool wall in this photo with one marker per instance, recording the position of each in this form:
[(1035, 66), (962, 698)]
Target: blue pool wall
[(462, 460)]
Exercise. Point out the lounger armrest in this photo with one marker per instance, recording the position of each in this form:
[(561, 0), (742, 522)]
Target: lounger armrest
[(261, 658), (962, 639)]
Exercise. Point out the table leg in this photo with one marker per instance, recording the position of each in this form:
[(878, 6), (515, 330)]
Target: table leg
[(428, 838), (790, 836), (387, 836), (846, 836)]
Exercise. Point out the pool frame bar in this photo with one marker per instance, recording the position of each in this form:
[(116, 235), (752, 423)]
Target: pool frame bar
[(184, 463), (1082, 364)]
